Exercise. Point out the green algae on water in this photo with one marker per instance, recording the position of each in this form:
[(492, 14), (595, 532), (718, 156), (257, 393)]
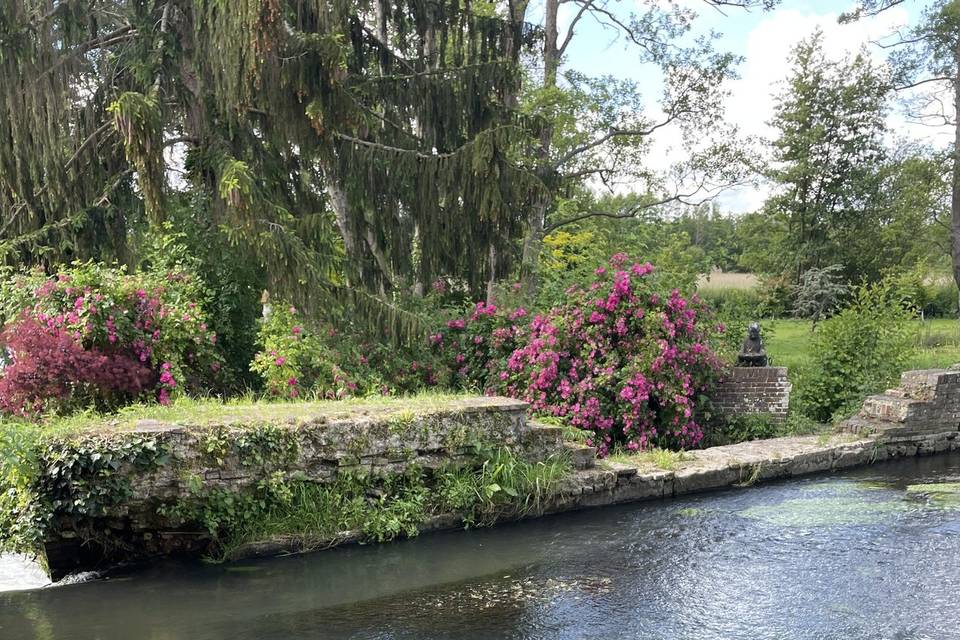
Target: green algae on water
[(826, 511), (945, 495)]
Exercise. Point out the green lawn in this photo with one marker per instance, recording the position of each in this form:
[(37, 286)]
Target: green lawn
[(936, 343)]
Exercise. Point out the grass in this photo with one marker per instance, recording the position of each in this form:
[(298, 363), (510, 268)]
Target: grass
[(660, 458), (315, 516), (936, 343), (205, 411), (721, 280)]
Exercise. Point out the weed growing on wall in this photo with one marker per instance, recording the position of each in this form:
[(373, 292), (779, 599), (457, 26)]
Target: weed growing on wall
[(375, 507)]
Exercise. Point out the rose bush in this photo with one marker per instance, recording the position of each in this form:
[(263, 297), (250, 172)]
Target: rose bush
[(620, 359), (148, 330), (299, 359)]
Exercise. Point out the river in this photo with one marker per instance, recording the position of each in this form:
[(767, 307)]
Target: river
[(872, 553)]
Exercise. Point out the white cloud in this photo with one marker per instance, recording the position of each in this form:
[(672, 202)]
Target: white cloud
[(767, 57)]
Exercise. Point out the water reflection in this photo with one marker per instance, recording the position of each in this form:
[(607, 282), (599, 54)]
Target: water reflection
[(868, 554)]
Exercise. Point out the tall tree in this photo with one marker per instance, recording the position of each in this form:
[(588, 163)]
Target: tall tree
[(597, 130), (830, 124), (363, 142), (927, 57)]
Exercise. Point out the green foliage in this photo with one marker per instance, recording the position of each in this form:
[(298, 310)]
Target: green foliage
[(44, 479), (265, 446), (858, 351), (138, 121), (232, 280), (820, 291), (377, 507), (504, 485), (743, 428), (735, 302), (830, 121), (155, 316), (571, 255), (300, 358)]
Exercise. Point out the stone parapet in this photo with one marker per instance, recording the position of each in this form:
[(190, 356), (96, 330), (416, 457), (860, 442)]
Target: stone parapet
[(126, 507), (926, 402)]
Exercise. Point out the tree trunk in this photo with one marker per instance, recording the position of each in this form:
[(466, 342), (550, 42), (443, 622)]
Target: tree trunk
[(492, 281), (537, 218), (955, 178), (532, 246)]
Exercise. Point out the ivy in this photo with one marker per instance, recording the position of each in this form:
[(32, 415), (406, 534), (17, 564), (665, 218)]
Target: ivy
[(47, 480)]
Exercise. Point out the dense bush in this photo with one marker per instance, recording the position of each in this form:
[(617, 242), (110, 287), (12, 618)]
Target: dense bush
[(743, 428), (301, 359), (620, 359), (232, 281), (941, 300), (95, 335), (858, 351), (51, 369)]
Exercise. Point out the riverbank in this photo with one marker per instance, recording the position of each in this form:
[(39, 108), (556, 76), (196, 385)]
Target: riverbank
[(255, 481), (810, 557)]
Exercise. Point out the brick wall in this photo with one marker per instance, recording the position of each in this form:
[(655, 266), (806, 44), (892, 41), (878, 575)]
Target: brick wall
[(753, 390)]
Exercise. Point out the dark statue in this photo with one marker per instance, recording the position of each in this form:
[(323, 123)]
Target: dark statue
[(752, 353)]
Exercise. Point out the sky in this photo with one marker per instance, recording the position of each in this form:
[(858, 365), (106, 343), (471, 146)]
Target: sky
[(764, 39)]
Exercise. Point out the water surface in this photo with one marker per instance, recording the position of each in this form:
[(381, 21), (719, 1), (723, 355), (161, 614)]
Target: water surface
[(873, 553)]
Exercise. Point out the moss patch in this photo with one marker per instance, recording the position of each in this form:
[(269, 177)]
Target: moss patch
[(943, 494)]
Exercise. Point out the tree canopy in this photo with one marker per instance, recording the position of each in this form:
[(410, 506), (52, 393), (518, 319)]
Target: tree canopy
[(363, 143)]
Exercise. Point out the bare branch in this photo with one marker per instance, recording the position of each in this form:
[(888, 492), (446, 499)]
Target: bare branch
[(103, 128), (573, 23), (923, 82), (611, 134)]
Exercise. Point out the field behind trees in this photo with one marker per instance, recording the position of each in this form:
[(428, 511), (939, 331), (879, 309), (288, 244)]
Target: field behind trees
[(934, 343)]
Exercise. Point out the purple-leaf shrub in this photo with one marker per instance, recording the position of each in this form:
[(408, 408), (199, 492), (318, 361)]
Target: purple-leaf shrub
[(620, 359), (149, 321), (51, 369)]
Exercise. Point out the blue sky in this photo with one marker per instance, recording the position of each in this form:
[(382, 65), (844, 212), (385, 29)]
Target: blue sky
[(764, 39)]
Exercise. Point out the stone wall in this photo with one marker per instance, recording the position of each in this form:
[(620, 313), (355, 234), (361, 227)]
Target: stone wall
[(920, 417), (926, 402), (235, 453), (750, 390)]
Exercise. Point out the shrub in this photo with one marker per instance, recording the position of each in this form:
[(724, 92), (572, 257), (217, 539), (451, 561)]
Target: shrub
[(298, 359), (93, 334), (941, 300), (51, 369), (743, 428), (734, 301), (820, 292), (620, 359), (858, 351)]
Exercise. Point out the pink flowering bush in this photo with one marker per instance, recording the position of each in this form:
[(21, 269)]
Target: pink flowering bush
[(149, 326), (301, 359), (620, 359)]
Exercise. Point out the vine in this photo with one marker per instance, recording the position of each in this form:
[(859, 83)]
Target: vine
[(47, 481)]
